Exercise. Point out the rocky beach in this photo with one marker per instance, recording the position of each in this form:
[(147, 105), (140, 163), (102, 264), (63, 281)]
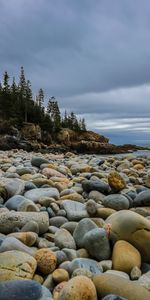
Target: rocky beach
[(74, 227)]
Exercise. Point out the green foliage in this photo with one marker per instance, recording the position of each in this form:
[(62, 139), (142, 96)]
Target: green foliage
[(17, 104)]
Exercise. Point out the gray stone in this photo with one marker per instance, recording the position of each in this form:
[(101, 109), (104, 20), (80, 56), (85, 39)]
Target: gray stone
[(106, 265), (31, 226), (75, 210), (37, 161), (82, 228), (70, 226), (70, 253), (135, 273), (23, 290), (144, 280), (113, 297), (63, 239), (11, 243), (95, 185), (61, 257), (9, 220), (36, 194), (91, 207), (13, 186), (58, 221), (142, 199), (97, 244), (85, 263), (82, 272), (20, 203), (116, 201)]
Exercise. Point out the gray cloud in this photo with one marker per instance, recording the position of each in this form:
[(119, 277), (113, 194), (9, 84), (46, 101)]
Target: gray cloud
[(94, 56)]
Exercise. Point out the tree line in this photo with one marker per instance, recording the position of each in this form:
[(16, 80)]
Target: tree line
[(18, 105)]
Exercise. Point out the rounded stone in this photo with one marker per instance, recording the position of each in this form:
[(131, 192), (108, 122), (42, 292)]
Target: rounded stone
[(111, 284), (16, 265), (81, 229), (79, 288), (125, 257), (58, 221), (46, 261), (114, 297), (116, 181), (95, 185), (97, 244), (75, 210), (31, 226), (12, 243), (60, 275), (37, 161), (23, 289), (63, 239), (133, 228), (85, 263), (83, 272), (116, 202), (91, 207), (104, 212), (36, 194), (28, 238), (142, 199)]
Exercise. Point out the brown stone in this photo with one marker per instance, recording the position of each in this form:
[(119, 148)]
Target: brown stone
[(79, 288), (28, 238), (111, 284), (116, 181), (46, 261), (60, 275), (104, 212), (16, 265), (125, 257)]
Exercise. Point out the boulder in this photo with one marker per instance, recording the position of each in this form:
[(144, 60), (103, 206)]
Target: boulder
[(133, 228), (16, 265), (107, 284)]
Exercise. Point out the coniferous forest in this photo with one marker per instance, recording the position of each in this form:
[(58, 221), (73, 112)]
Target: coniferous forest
[(18, 105)]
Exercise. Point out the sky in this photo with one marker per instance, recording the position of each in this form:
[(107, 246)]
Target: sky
[(92, 55)]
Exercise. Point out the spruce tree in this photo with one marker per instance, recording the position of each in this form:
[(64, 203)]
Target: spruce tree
[(40, 98)]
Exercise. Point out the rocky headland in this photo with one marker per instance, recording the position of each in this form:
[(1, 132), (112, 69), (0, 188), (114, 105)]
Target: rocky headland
[(74, 227), (31, 138)]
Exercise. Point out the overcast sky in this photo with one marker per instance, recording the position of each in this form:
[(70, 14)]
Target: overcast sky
[(92, 55)]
